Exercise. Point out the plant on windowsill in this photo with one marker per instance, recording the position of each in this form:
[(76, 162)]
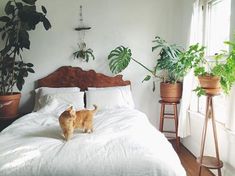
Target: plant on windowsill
[(216, 74), (172, 65), (20, 18)]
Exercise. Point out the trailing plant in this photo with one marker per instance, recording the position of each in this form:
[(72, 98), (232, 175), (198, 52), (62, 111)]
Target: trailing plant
[(20, 18), (221, 65), (83, 53)]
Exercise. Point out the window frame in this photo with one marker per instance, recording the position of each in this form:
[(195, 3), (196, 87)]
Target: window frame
[(206, 10)]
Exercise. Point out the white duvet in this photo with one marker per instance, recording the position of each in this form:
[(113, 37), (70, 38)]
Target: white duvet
[(123, 143)]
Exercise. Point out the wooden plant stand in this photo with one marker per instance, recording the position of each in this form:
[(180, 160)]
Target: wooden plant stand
[(173, 116), (209, 161)]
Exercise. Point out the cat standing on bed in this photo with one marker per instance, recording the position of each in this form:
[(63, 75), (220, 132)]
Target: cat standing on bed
[(71, 120)]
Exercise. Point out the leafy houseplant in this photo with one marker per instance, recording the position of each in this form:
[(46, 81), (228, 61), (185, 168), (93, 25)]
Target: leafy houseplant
[(83, 53), (217, 73), (172, 65), (20, 17)]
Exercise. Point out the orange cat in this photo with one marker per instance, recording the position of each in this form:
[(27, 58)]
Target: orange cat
[(71, 120)]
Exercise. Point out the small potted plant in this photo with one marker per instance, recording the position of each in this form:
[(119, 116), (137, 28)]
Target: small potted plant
[(216, 74), (83, 53), (171, 66), (20, 17)]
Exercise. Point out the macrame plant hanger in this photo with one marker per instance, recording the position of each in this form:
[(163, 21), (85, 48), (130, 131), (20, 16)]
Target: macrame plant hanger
[(83, 53)]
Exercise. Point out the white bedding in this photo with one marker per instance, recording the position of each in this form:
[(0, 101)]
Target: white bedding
[(123, 143)]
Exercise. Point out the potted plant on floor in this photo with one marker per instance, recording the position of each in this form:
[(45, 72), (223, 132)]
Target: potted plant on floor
[(217, 73), (19, 18), (171, 66)]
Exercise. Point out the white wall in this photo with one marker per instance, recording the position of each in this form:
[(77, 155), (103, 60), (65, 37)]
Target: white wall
[(131, 23)]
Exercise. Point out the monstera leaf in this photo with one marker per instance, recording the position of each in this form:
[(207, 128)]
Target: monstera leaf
[(119, 59)]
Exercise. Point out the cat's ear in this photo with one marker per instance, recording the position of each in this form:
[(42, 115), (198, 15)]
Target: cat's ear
[(72, 112), (70, 108)]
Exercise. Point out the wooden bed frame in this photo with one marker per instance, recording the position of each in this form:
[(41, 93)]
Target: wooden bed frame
[(68, 76)]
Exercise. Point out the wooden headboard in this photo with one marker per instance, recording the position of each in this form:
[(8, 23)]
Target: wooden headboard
[(68, 76)]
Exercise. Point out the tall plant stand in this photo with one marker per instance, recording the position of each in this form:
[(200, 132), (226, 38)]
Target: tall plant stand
[(173, 116), (209, 161)]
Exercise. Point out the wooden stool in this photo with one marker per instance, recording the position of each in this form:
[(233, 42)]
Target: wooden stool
[(209, 161), (174, 115)]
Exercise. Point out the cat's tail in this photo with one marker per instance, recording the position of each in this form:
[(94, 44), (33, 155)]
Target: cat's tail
[(94, 110)]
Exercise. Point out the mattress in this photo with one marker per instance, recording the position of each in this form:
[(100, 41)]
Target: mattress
[(123, 143)]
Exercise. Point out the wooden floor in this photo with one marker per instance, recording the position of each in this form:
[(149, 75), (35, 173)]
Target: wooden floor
[(190, 164)]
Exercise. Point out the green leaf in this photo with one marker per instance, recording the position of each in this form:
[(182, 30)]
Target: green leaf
[(9, 9), (4, 19), (119, 59), (30, 2), (20, 81), (154, 86), (3, 35), (5, 50), (44, 10), (19, 5), (29, 65), (147, 78), (30, 70), (46, 23), (199, 91)]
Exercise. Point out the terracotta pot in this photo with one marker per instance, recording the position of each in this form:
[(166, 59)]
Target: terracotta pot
[(9, 105), (171, 92), (211, 84)]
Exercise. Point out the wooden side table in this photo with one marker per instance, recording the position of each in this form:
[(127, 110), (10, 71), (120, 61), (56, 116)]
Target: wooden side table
[(209, 161), (173, 116)]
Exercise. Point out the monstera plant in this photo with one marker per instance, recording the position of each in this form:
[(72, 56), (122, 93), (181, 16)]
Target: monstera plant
[(171, 66), (20, 18)]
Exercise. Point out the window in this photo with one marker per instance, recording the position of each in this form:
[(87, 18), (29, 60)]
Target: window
[(217, 26), (215, 29)]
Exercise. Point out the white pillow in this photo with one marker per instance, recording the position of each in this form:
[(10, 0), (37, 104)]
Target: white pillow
[(42, 91), (75, 99), (125, 91), (105, 99)]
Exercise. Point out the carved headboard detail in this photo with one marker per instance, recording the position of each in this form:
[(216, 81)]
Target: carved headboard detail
[(68, 76)]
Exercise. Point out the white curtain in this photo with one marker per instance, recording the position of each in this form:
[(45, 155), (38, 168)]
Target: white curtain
[(224, 106), (230, 115), (189, 79)]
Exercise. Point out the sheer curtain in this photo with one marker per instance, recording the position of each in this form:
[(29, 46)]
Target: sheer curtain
[(189, 80), (230, 118), (224, 106)]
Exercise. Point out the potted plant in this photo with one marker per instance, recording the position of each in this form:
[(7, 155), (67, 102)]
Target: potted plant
[(173, 64), (216, 74), (20, 17), (83, 53)]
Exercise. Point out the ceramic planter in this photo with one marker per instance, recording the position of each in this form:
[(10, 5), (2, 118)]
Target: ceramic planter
[(171, 92), (9, 105), (211, 84)]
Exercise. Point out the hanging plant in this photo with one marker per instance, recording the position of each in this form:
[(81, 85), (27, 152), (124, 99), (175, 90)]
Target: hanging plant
[(83, 53)]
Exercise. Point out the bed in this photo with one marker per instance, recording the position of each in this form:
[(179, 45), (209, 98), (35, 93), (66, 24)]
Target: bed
[(123, 143)]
